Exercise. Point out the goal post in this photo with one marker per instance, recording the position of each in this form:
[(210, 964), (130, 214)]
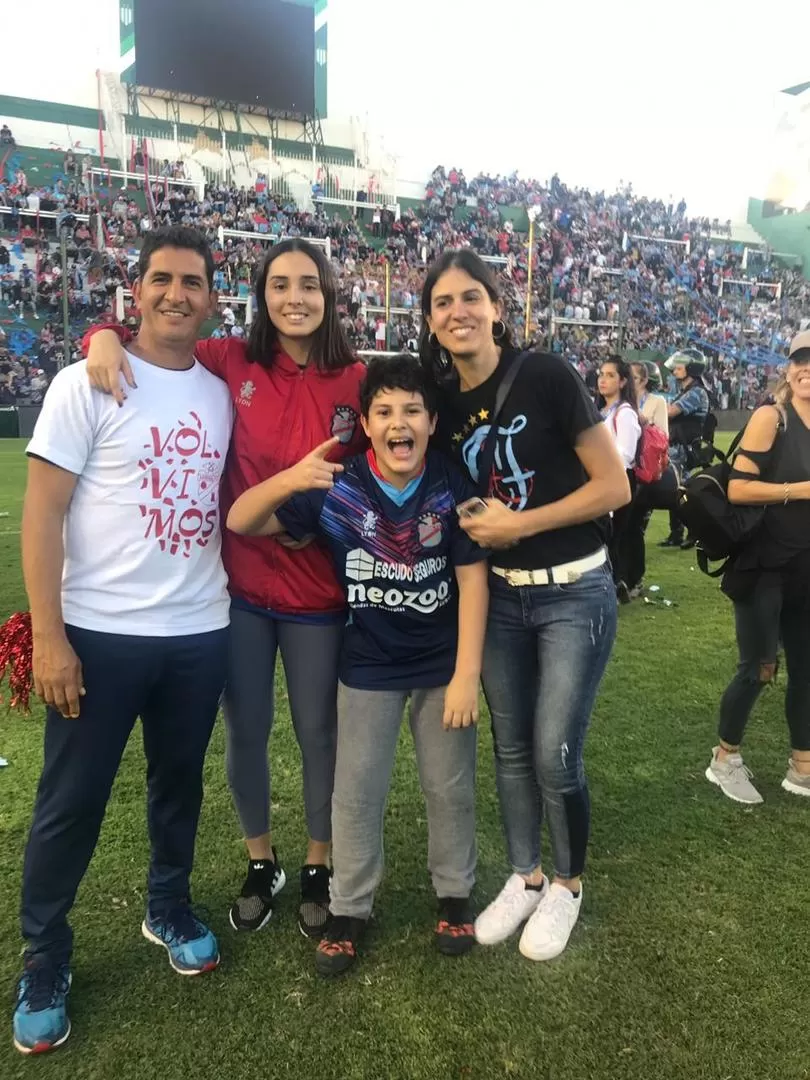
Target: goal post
[(124, 296), (685, 244), (751, 287), (272, 238)]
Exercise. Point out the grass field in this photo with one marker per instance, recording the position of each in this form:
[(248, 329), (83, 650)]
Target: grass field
[(688, 962)]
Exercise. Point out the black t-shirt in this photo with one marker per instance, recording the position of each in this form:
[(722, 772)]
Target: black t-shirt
[(535, 462), (785, 532)]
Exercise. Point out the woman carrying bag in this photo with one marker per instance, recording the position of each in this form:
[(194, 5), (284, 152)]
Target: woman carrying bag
[(661, 494), (769, 581), (617, 398)]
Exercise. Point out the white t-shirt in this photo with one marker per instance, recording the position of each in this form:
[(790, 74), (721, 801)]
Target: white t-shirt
[(623, 425), (142, 532)]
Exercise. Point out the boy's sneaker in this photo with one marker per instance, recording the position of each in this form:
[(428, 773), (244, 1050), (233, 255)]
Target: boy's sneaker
[(455, 930), (191, 946), (337, 949), (253, 908), (40, 1020), (546, 933), (733, 778), (513, 905), (313, 911), (795, 782)]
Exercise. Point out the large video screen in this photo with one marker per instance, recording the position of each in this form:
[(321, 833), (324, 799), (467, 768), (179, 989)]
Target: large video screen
[(253, 52)]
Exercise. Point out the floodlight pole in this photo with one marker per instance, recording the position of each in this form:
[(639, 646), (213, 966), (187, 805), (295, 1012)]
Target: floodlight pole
[(530, 245), (744, 308), (65, 307), (551, 309), (387, 300)]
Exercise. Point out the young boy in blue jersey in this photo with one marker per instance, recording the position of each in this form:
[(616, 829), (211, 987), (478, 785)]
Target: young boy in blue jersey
[(416, 587)]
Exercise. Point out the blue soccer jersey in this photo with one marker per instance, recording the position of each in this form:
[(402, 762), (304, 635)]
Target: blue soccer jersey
[(396, 564)]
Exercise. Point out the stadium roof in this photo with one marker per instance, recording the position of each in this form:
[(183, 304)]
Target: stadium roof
[(796, 90)]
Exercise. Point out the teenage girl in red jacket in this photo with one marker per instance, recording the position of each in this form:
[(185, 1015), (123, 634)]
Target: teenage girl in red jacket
[(294, 384)]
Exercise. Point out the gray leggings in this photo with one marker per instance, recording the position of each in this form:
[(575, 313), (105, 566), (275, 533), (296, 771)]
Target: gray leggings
[(310, 656)]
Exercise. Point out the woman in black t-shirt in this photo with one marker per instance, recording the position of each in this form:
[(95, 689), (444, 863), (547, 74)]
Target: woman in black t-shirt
[(555, 476), (769, 580)]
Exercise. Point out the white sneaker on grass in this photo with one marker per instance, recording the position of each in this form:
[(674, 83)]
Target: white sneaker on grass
[(546, 933), (511, 907), (795, 782), (733, 778)]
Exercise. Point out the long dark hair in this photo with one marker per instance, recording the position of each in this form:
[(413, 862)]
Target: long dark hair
[(435, 360), (627, 393), (330, 346)]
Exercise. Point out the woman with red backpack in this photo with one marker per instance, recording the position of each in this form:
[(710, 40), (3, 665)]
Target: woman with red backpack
[(619, 408), (654, 492)]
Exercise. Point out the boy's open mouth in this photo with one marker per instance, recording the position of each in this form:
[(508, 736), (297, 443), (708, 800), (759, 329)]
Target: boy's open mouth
[(400, 448)]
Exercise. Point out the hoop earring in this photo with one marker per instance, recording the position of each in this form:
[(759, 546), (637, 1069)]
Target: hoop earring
[(501, 333)]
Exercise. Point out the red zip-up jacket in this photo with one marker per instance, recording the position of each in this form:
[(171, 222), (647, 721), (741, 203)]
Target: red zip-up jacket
[(282, 412)]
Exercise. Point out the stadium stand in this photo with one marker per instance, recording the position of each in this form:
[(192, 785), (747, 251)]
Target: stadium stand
[(610, 272)]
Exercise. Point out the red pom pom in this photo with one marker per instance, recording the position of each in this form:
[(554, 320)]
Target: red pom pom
[(16, 648)]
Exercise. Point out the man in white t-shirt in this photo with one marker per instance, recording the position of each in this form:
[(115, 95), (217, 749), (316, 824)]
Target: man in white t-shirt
[(129, 611)]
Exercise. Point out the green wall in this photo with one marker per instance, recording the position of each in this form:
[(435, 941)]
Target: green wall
[(784, 232), (49, 112)]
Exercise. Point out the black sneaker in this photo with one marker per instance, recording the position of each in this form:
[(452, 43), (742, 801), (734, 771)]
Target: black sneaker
[(313, 910), (455, 930), (253, 908), (671, 541), (337, 949), (688, 544)]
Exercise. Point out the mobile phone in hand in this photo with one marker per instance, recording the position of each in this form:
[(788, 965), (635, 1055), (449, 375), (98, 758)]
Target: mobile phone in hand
[(471, 507)]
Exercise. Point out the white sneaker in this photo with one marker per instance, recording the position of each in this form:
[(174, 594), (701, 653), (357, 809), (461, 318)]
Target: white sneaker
[(795, 782), (512, 906), (733, 778), (547, 932)]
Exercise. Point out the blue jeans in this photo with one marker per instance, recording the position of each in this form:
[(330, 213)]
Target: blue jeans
[(546, 650)]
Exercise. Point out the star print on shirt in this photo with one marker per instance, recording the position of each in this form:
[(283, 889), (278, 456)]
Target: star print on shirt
[(473, 421)]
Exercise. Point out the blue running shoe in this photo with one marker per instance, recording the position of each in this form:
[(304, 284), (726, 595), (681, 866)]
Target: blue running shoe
[(191, 946), (40, 1016)]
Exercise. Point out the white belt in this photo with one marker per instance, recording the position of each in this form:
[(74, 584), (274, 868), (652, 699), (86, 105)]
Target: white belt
[(564, 574)]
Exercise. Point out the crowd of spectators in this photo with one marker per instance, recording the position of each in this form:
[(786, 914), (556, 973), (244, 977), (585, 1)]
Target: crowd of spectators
[(669, 279), (610, 269)]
